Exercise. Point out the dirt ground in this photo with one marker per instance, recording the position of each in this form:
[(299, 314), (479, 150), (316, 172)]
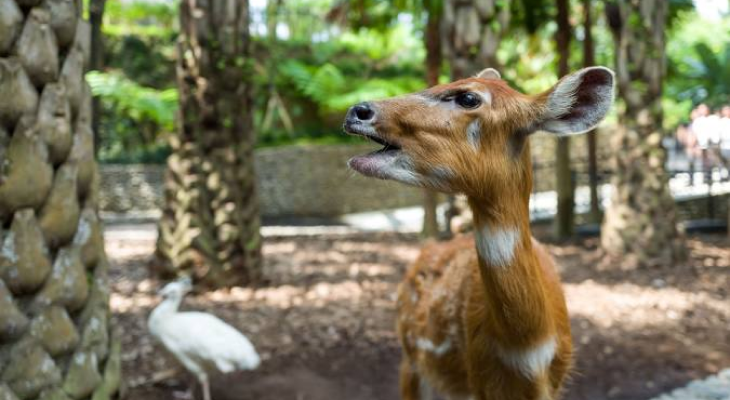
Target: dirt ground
[(324, 324)]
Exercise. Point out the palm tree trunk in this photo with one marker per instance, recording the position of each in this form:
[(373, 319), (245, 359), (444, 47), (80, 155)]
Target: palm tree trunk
[(54, 288), (210, 223), (563, 173), (641, 223), (432, 39)]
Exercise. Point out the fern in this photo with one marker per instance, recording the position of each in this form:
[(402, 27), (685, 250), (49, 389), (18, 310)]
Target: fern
[(134, 100), (329, 88)]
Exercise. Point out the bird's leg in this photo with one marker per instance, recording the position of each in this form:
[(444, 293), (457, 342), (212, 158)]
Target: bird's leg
[(203, 378)]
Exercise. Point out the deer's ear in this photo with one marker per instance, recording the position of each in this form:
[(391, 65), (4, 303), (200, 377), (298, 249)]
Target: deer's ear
[(578, 102), (489, 73)]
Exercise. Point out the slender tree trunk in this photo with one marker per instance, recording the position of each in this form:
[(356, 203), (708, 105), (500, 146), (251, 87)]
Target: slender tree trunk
[(640, 226), (472, 31), (55, 327), (96, 63), (589, 60), (432, 39), (563, 173), (210, 223)]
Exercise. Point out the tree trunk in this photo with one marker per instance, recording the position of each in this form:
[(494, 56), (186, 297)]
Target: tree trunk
[(432, 39), (472, 31), (96, 62), (641, 223), (563, 173), (588, 61), (54, 288), (210, 223)]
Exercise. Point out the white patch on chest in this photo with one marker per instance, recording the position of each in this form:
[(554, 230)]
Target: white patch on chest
[(474, 133), (496, 246), (438, 350), (530, 362)]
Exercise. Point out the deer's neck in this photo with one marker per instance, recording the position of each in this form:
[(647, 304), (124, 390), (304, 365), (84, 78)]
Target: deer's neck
[(513, 280)]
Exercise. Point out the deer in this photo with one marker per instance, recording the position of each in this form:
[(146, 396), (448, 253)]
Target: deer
[(480, 317)]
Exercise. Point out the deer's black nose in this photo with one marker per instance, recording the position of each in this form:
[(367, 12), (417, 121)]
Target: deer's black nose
[(362, 112)]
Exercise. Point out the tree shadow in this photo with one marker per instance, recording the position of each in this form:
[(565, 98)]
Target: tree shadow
[(326, 331), (638, 364), (705, 269)]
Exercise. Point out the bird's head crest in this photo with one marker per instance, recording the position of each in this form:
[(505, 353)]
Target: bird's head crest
[(177, 288)]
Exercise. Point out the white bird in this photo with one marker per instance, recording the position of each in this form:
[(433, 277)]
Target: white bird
[(201, 342)]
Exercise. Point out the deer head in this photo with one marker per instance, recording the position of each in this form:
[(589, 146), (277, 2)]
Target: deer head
[(470, 136)]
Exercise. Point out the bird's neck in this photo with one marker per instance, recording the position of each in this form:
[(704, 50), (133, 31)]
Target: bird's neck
[(167, 307)]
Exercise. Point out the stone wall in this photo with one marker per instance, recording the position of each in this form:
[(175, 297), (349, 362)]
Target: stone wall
[(293, 181), (135, 187), (314, 181)]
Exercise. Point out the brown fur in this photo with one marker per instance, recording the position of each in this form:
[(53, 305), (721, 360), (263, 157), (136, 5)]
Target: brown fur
[(464, 324)]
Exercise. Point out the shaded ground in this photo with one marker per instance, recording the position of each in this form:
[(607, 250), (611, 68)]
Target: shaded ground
[(324, 324)]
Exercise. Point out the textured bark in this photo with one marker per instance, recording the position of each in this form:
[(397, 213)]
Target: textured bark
[(210, 223), (432, 41), (472, 32), (55, 333), (564, 220), (588, 61), (641, 224)]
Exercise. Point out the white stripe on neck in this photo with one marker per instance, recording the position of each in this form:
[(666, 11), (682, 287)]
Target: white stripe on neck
[(531, 362), (496, 246)]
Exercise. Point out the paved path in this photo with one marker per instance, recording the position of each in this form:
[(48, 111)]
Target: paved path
[(716, 387)]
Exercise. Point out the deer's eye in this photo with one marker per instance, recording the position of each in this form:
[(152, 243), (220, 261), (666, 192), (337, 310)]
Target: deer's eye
[(468, 100)]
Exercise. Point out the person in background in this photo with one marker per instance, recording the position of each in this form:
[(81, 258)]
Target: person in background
[(724, 127), (686, 136), (706, 127)]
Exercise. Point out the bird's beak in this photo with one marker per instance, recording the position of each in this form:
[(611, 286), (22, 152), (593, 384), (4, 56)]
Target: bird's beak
[(187, 282)]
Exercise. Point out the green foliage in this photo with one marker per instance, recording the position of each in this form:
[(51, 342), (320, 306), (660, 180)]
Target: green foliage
[(330, 54), (139, 18), (327, 85), (378, 46), (531, 14), (137, 89), (699, 65), (358, 14), (141, 116), (138, 102), (148, 60), (318, 80)]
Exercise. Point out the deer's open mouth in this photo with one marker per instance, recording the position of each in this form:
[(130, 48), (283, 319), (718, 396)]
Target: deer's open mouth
[(368, 132), (375, 164)]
